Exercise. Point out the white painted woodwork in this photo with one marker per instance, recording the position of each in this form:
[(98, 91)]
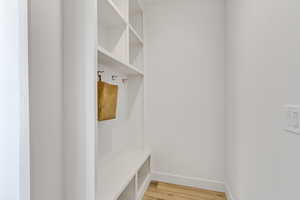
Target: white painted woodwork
[(136, 16), (115, 174), (14, 115), (143, 173), (80, 61), (135, 49), (112, 34), (107, 59), (123, 163)]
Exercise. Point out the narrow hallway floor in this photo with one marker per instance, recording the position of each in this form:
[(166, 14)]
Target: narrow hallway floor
[(165, 191)]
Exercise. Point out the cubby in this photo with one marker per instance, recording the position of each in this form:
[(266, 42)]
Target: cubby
[(143, 173), (112, 29), (118, 173), (122, 159), (136, 17), (122, 6), (136, 57), (130, 191)]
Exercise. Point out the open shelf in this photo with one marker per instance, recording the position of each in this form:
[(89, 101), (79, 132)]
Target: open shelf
[(143, 173), (112, 30), (109, 14), (136, 56), (107, 59), (130, 191), (136, 17), (116, 174), (141, 191), (122, 174), (122, 7), (138, 39)]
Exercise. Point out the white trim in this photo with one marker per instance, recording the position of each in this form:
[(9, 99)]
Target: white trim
[(24, 102), (228, 193), (189, 181), (144, 188)]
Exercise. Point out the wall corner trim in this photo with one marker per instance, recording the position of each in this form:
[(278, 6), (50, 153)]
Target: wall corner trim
[(188, 181)]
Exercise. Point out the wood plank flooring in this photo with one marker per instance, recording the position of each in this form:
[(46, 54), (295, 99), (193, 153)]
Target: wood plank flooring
[(165, 191)]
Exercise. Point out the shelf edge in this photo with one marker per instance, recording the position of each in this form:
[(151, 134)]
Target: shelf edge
[(122, 63)]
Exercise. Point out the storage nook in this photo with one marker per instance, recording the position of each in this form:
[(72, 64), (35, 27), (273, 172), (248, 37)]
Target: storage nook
[(123, 161)]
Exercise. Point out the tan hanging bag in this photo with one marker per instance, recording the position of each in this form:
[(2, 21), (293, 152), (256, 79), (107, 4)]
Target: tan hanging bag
[(107, 101)]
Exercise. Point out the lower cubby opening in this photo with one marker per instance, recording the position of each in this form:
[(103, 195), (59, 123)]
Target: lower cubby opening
[(130, 191), (143, 173), (117, 175)]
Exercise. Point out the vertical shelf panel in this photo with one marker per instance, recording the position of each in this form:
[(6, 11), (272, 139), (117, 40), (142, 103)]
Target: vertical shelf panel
[(122, 6), (143, 173), (120, 144), (136, 55), (136, 17), (130, 191)]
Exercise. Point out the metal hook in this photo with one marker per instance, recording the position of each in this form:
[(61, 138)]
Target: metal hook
[(124, 80), (114, 77), (99, 74)]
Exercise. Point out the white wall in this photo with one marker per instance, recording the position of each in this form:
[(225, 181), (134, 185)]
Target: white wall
[(262, 76), (45, 48), (184, 90), (14, 125)]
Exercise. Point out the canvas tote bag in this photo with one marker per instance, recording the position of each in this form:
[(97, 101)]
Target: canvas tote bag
[(107, 101)]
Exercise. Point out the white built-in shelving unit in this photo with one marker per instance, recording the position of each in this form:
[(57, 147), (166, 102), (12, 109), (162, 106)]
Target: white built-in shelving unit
[(123, 161)]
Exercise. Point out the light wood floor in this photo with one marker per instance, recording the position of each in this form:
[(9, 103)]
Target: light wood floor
[(165, 191)]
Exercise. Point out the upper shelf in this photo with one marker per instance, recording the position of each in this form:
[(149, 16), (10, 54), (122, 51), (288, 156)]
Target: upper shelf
[(110, 15), (106, 58)]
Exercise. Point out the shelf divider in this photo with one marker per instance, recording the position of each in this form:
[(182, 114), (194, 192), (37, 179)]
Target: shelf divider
[(110, 14), (138, 37)]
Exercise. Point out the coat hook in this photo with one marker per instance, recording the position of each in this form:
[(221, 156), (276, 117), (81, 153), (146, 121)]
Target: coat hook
[(114, 77), (99, 74), (124, 80)]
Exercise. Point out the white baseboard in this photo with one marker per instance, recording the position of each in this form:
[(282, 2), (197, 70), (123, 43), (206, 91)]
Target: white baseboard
[(189, 181), (228, 193)]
